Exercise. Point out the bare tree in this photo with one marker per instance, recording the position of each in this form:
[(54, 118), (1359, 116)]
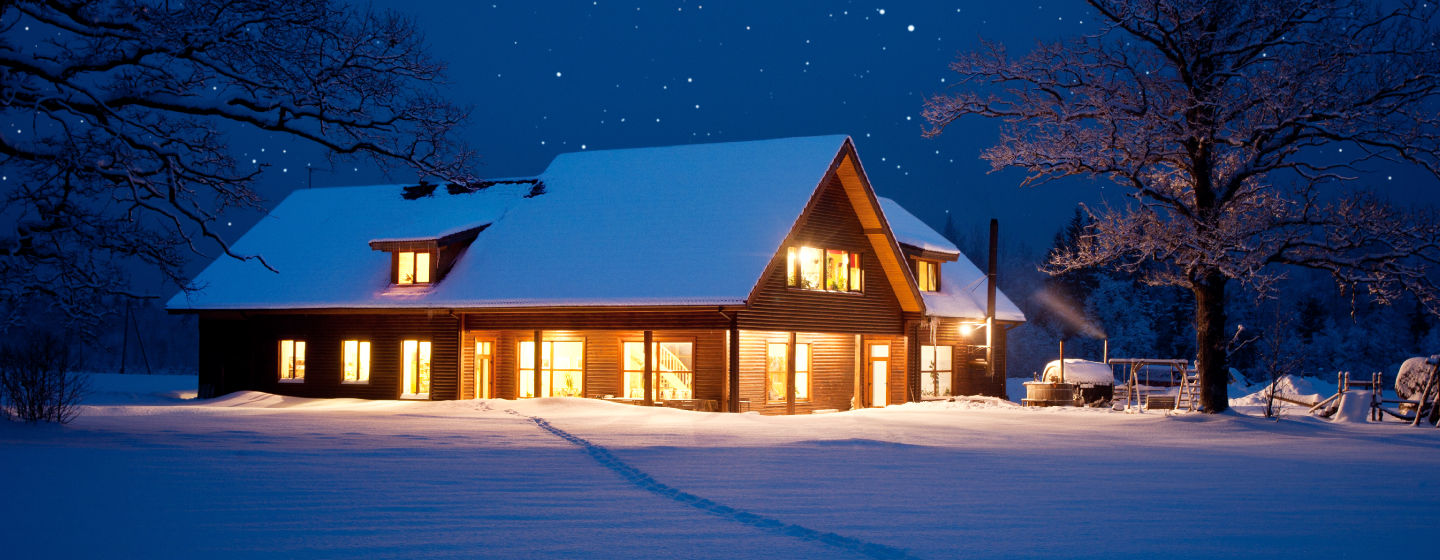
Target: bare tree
[(1224, 119), (38, 381), (1278, 356), (120, 153)]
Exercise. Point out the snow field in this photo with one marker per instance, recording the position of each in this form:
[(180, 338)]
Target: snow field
[(252, 474)]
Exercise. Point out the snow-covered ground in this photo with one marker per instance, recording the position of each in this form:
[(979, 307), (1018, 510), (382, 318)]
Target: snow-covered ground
[(145, 474)]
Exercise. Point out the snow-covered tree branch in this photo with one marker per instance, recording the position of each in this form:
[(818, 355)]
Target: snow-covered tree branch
[(1227, 120), (123, 156)]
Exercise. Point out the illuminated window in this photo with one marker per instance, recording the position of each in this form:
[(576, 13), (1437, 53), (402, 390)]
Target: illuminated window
[(413, 268), (356, 361), (562, 369), (927, 273), (776, 371), (415, 369), (671, 370), (292, 361), (935, 370), (830, 270)]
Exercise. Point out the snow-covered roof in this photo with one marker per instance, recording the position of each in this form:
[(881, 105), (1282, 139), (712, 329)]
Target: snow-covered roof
[(909, 230), (683, 225), (962, 285), (318, 240), (1080, 371)]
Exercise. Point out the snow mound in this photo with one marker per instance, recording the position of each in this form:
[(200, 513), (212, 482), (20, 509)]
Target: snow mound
[(1080, 371), (1354, 408), (1290, 387), (1411, 379)]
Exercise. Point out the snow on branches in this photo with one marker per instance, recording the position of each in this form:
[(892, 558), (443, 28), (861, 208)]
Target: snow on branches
[(123, 155), (1227, 121)]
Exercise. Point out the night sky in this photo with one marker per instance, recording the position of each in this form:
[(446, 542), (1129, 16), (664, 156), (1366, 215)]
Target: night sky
[(553, 77)]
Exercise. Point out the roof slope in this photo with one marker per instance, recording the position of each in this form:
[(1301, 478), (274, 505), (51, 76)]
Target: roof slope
[(962, 285), (909, 230), (684, 225), (318, 240)]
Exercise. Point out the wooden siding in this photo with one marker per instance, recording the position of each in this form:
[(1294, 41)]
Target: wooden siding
[(832, 371), (833, 224), (971, 375), (597, 320), (258, 338)]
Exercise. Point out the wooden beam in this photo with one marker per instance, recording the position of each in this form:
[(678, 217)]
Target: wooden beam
[(539, 337), (734, 369), (648, 383), (790, 376), (859, 401)]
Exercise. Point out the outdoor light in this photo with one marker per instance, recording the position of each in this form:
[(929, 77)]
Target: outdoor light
[(966, 329)]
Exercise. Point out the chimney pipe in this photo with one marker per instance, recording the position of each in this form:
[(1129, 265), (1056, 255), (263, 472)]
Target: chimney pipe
[(990, 299)]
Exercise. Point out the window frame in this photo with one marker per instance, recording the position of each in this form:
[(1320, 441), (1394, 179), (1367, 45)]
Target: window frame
[(792, 269), (294, 368), (655, 386), (401, 370), (519, 369), (809, 370), (363, 347), (484, 385), (430, 267), (932, 278), (936, 370)]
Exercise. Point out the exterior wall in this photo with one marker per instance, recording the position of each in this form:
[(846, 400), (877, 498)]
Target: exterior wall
[(832, 375), (971, 375), (602, 367), (225, 360), (830, 223), (251, 346)]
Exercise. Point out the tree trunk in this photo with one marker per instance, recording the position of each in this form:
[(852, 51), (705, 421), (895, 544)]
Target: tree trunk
[(1214, 370)]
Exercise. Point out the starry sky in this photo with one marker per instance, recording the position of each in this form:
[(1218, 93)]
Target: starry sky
[(548, 77)]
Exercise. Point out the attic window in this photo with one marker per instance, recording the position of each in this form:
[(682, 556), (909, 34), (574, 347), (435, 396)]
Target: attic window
[(826, 270), (927, 274), (412, 267)]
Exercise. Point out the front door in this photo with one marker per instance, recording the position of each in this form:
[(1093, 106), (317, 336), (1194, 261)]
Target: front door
[(484, 364), (879, 375)]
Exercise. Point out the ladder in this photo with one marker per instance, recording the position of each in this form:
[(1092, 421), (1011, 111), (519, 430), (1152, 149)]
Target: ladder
[(1189, 390)]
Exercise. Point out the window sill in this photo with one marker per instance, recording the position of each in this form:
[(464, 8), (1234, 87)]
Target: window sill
[(361, 382), (415, 397), (292, 380)]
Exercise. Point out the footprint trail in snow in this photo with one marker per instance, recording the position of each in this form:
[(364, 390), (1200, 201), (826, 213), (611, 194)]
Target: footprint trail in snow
[(644, 481)]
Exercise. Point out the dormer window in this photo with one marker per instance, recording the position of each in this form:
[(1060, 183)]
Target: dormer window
[(826, 270), (927, 274), (412, 267)]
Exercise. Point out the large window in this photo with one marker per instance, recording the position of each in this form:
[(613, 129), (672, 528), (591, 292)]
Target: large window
[(830, 270), (671, 370), (414, 268), (776, 371), (562, 369), (927, 274), (356, 361), (292, 361), (415, 369), (935, 370)]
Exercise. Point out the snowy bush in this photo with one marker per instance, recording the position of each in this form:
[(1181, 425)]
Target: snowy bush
[(37, 382)]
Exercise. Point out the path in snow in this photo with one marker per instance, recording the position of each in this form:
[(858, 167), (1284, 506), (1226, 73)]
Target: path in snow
[(644, 481)]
